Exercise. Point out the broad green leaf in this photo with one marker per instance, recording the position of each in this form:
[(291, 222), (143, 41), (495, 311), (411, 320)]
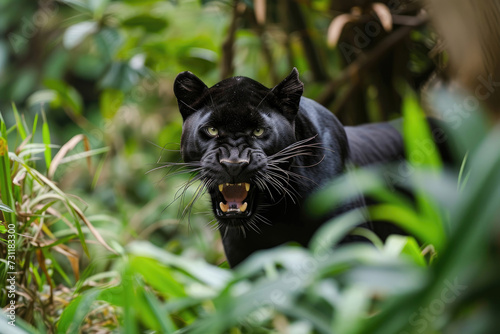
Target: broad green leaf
[(113, 295), (158, 276)]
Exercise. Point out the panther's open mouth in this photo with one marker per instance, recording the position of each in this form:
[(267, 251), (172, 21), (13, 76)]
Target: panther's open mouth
[(234, 200)]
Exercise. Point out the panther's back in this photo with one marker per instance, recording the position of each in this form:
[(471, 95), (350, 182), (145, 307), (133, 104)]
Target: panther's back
[(374, 143)]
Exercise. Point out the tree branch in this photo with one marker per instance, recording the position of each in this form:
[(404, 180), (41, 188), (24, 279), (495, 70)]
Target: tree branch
[(227, 66), (365, 61), (299, 21)]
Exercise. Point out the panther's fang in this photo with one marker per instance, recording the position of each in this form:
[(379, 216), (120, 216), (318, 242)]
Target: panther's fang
[(224, 207), (243, 207)]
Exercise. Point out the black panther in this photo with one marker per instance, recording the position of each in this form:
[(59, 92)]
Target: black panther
[(261, 152)]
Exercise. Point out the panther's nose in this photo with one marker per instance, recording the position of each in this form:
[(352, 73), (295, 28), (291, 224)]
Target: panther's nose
[(234, 167)]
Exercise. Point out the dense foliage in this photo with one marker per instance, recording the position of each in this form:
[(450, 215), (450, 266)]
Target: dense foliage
[(95, 215)]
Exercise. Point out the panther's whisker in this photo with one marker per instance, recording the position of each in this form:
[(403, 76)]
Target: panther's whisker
[(288, 179), (163, 147), (265, 187), (309, 166), (180, 171), (263, 219), (298, 147), (295, 154), (254, 227), (297, 144), (296, 177), (280, 188)]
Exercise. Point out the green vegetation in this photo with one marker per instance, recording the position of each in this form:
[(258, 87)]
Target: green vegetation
[(99, 246)]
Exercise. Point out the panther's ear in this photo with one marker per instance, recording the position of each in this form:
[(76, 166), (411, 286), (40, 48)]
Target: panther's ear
[(188, 89), (289, 92)]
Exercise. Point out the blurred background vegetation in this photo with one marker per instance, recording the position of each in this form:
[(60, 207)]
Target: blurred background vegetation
[(88, 109)]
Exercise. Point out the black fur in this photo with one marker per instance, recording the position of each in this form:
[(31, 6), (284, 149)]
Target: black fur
[(303, 146)]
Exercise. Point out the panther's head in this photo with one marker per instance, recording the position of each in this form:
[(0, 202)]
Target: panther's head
[(240, 138)]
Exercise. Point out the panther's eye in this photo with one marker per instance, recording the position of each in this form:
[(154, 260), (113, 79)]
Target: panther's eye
[(258, 132), (212, 131)]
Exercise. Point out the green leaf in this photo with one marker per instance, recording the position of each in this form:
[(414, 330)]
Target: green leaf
[(410, 221), (74, 314), (130, 301), (42, 97), (98, 7), (67, 96), (398, 244), (166, 324), (150, 23), (79, 5), (354, 304), (35, 122), (110, 101), (5, 174), (77, 33), (108, 42), (46, 141), (158, 276), (205, 273), (120, 76), (20, 126), (332, 232), (421, 151), (113, 295), (5, 208)]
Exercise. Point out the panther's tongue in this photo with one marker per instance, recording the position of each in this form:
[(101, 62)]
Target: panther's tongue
[(234, 194)]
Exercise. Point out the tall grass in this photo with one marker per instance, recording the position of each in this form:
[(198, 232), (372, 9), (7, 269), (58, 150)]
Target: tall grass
[(43, 218)]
